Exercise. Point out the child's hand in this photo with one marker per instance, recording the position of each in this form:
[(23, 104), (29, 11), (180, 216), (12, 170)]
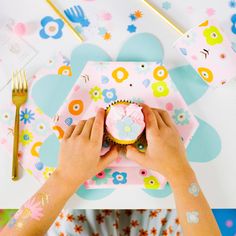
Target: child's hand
[(165, 152), (79, 157)]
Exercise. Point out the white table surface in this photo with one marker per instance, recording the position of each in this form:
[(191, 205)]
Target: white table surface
[(217, 107)]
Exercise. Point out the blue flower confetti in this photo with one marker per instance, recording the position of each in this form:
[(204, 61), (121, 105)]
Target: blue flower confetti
[(132, 17), (51, 28), (132, 28)]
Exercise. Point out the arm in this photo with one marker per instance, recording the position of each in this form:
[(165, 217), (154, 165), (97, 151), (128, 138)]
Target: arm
[(166, 154), (79, 160)]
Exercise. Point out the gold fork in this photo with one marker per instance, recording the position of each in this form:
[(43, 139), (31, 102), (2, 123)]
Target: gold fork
[(19, 97)]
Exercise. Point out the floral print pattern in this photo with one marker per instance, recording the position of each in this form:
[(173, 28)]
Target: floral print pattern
[(27, 116), (95, 93), (51, 28), (151, 182), (141, 222), (65, 70), (213, 35), (206, 74), (120, 74), (160, 89), (181, 117), (26, 137), (119, 177), (109, 95), (160, 73), (102, 177)]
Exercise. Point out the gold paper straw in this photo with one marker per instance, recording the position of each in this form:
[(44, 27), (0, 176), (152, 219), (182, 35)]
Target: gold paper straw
[(180, 31), (65, 20)]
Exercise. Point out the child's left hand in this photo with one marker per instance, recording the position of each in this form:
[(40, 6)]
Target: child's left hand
[(79, 157)]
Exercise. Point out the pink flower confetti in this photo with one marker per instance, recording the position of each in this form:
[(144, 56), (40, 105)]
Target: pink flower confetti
[(210, 11), (106, 16)]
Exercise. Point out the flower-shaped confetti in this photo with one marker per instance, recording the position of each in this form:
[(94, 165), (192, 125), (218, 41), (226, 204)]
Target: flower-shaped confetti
[(131, 28), (52, 28), (119, 177)]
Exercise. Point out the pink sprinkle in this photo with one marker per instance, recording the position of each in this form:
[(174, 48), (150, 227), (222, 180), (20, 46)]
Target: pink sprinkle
[(106, 16), (20, 29), (210, 11), (194, 57), (229, 223), (169, 106)]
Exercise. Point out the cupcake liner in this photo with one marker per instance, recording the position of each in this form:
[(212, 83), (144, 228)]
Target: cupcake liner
[(108, 136)]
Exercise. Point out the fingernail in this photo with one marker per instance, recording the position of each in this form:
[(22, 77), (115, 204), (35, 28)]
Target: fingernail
[(100, 109)]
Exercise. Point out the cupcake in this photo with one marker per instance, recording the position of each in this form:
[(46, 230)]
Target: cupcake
[(124, 122)]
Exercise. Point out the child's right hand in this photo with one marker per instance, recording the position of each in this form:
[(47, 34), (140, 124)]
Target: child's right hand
[(165, 152)]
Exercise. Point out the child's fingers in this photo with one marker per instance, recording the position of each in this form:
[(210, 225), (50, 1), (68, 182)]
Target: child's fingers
[(86, 132), (166, 117), (160, 121), (133, 154), (152, 128), (149, 117), (108, 158), (98, 126), (69, 131), (79, 127)]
